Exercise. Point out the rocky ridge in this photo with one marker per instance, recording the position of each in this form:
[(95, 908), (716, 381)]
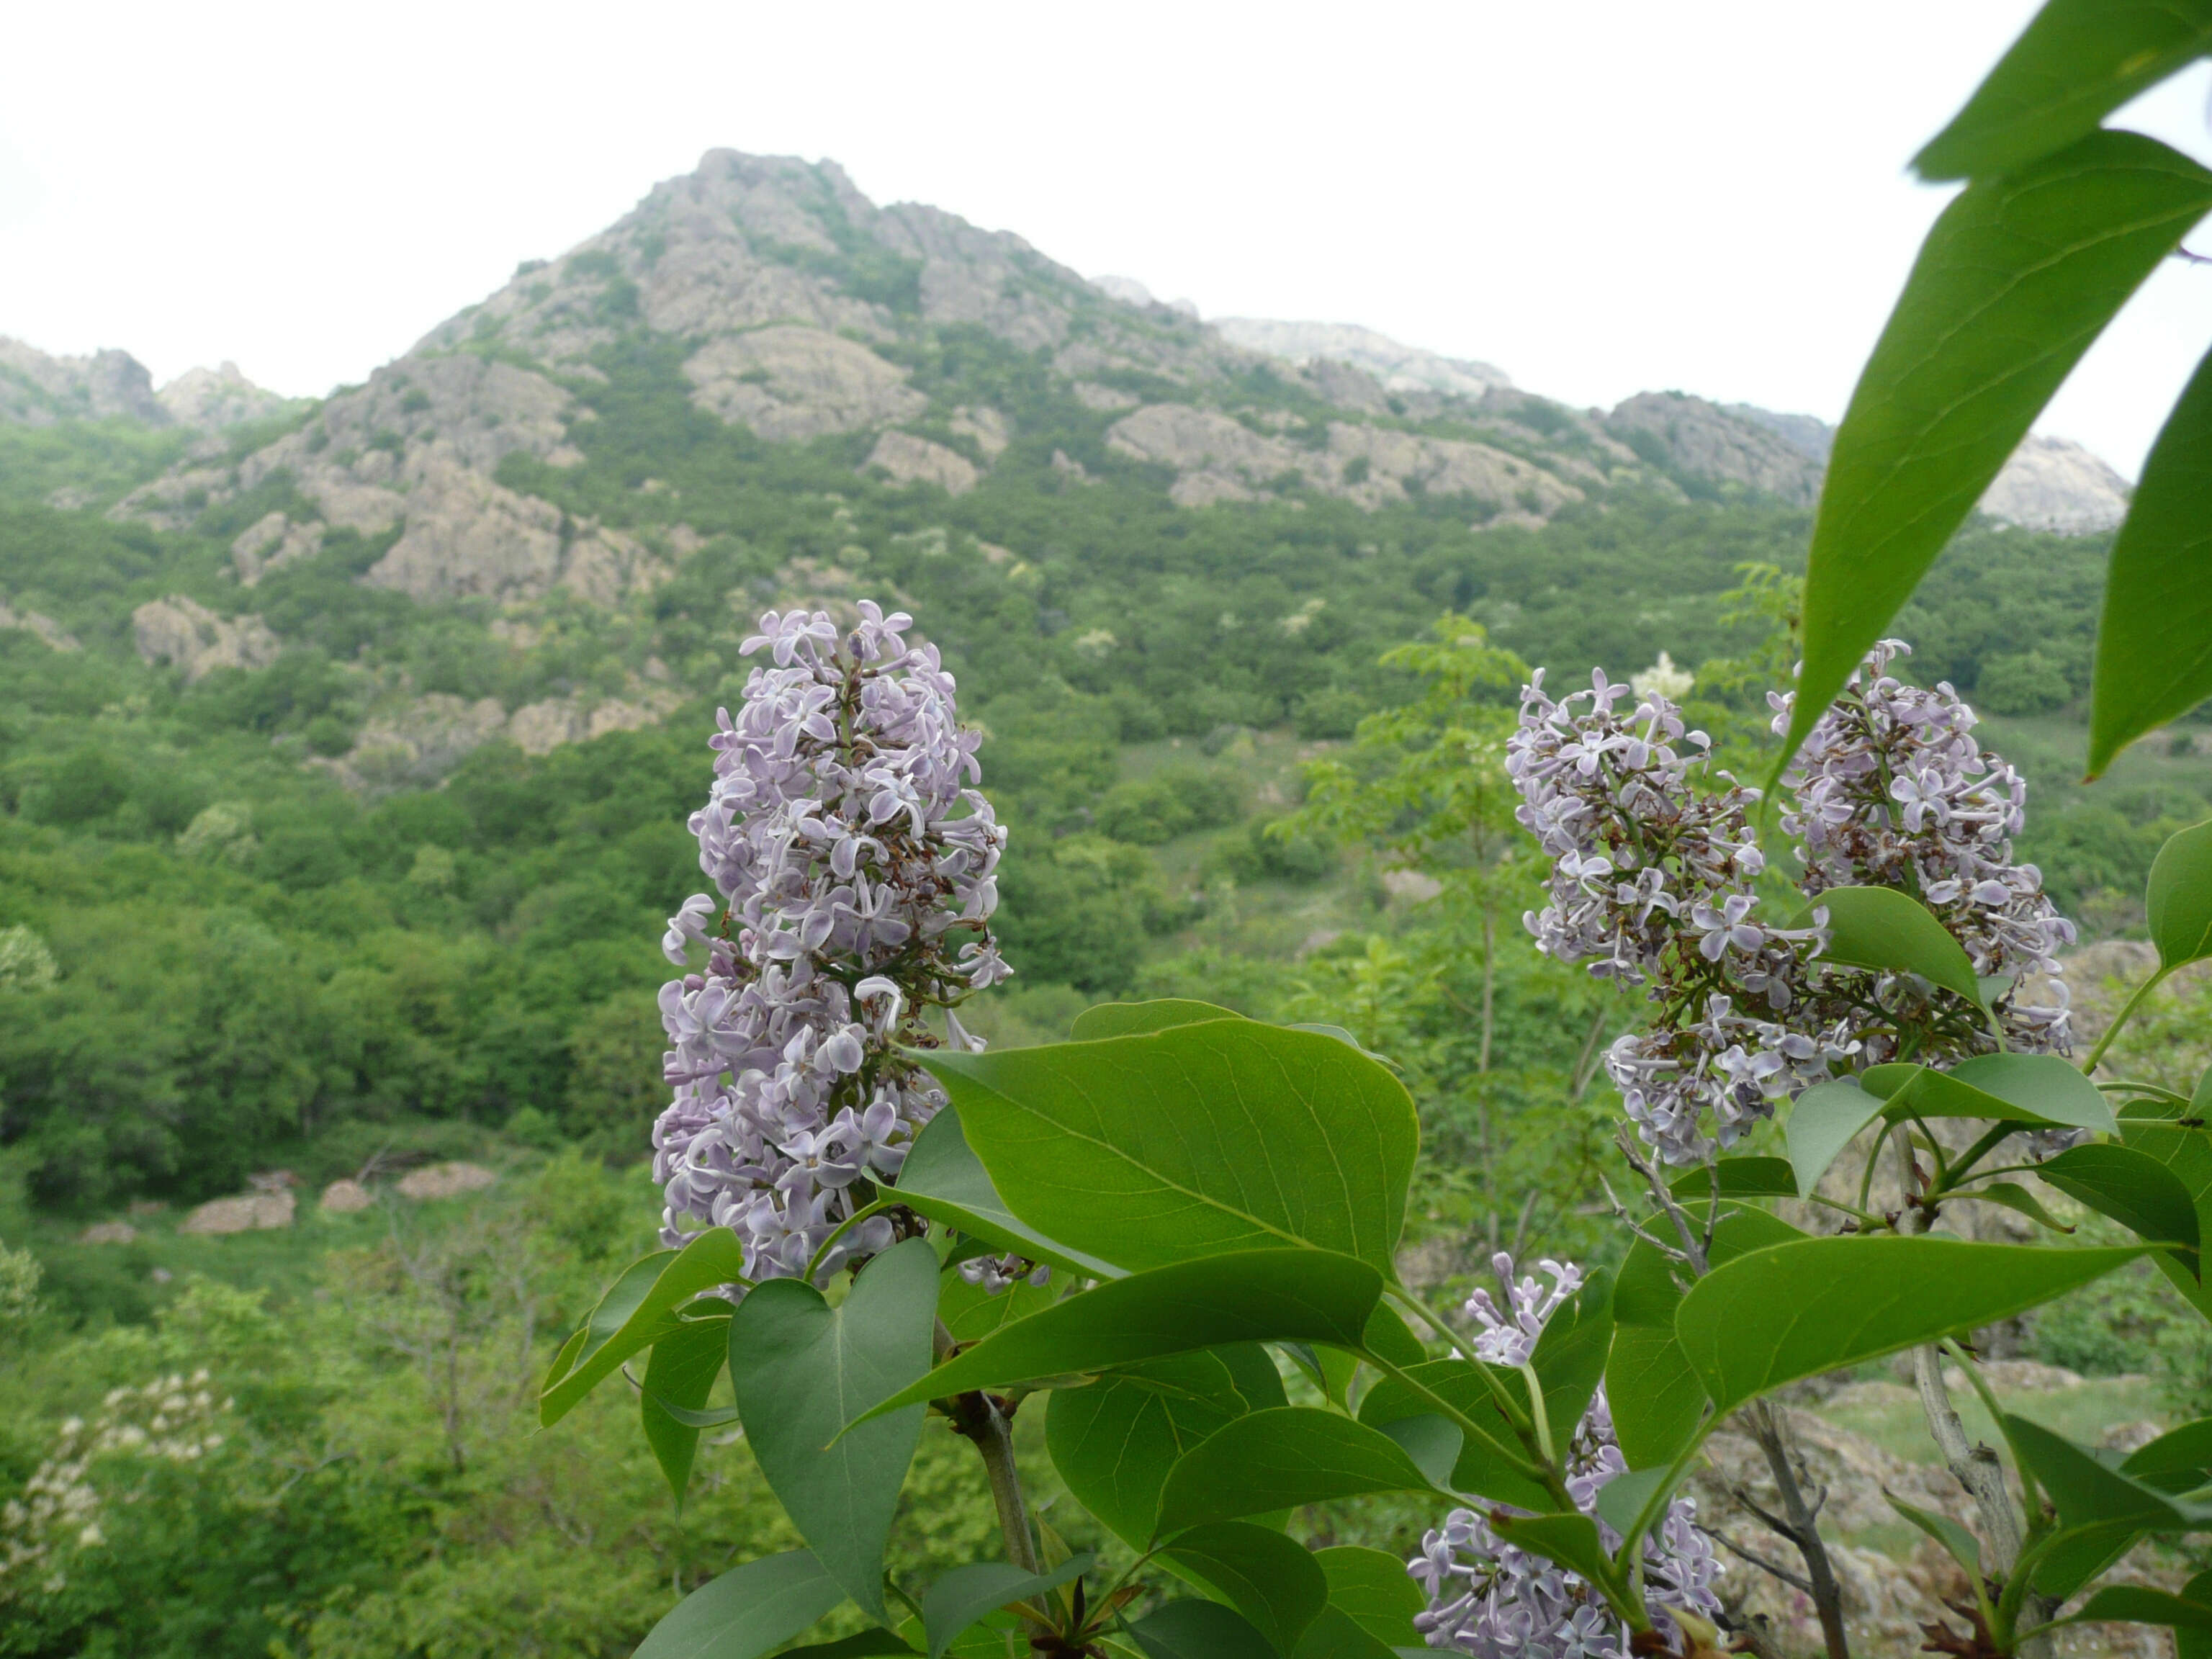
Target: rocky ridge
[(39, 389)]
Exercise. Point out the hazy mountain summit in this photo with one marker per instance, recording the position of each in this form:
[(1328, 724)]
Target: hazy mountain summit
[(38, 389)]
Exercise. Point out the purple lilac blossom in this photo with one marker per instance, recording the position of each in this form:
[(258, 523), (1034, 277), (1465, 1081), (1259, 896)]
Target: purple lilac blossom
[(1653, 861), (1492, 1600), (1892, 790), (855, 863), (1652, 867)]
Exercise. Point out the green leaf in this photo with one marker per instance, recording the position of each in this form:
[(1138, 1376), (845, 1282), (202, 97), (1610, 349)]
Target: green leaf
[(1568, 1358), (1965, 1548), (2180, 1460), (1570, 1540), (1279, 1459), (2013, 1196), (2138, 1604), (2154, 638), (1739, 1178), (1826, 1119), (1372, 1587), (637, 1311), (1112, 1019), (1335, 1635), (2076, 63), (861, 1645), (803, 1371), (2088, 1491), (1192, 1629), (2017, 277), (2025, 1087), (746, 1612), (1200, 1140), (1891, 932), (943, 1179), (1432, 1441), (1657, 1401), (1114, 1442), (1270, 1579), (2180, 897), (964, 1595), (1625, 1497), (1253, 1296), (2133, 1187), (2150, 1127), (2076, 1555), (681, 1374), (971, 1313), (1852, 1299), (1387, 1338), (1491, 1461), (2192, 1643)]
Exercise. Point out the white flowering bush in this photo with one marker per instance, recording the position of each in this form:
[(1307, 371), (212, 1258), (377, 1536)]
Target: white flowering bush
[(174, 1420), (1175, 1234)]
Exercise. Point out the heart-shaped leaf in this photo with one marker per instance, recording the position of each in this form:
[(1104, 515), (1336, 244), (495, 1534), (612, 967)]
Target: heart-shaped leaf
[(1198, 1139), (1278, 1459), (2139, 1604), (1853, 1299), (2088, 1491), (2180, 1460), (1625, 1496), (746, 1612), (1491, 1461), (2016, 278), (803, 1371), (2011, 1196), (2153, 1128), (1114, 1442), (1253, 1296)]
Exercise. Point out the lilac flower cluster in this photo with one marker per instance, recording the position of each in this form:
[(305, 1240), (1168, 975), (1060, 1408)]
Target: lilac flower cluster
[(1892, 790), (855, 864), (1488, 1597), (1653, 859)]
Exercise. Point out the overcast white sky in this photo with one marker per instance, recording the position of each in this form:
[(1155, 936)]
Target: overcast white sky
[(1600, 197)]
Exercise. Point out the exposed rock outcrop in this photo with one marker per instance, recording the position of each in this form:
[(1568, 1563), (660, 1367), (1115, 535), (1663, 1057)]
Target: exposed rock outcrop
[(418, 742), (1704, 441), (788, 384), (2053, 484), (246, 1214), (1398, 366), (906, 459), (1218, 458), (184, 634), (36, 389), (271, 541), (56, 637), (212, 398)]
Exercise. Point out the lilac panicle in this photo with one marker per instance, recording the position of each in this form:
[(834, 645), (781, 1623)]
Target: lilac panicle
[(1653, 859), (1653, 863), (856, 864), (1892, 790), (1493, 1600)]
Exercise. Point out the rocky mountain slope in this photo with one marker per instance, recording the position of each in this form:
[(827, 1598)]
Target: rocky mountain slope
[(567, 447)]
